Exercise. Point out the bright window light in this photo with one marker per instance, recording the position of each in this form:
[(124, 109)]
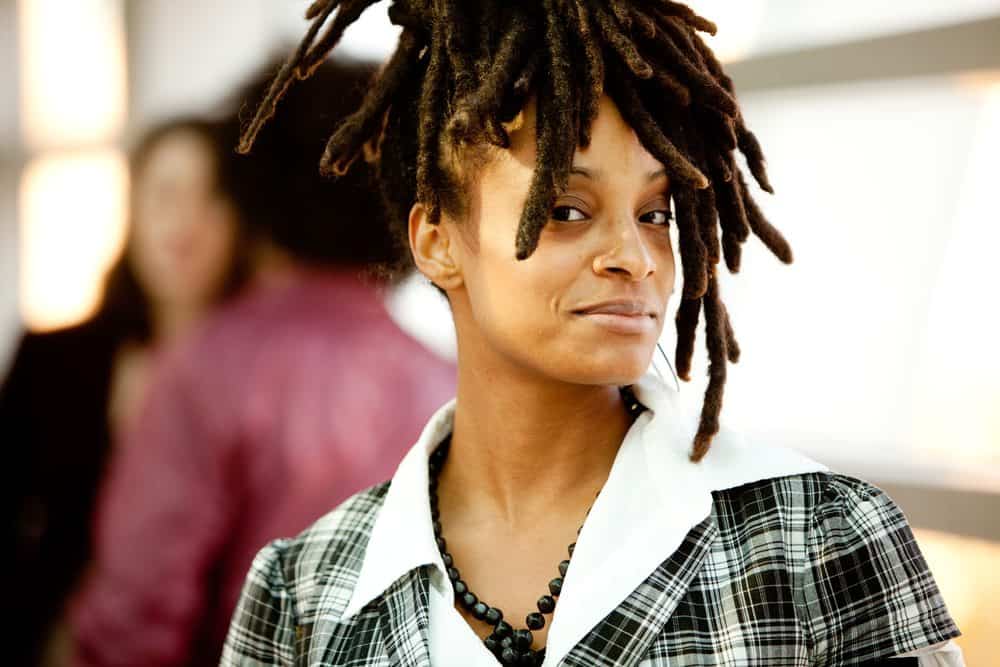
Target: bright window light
[(73, 71), (73, 209), (876, 349)]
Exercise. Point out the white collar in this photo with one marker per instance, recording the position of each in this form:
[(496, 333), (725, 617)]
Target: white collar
[(653, 497)]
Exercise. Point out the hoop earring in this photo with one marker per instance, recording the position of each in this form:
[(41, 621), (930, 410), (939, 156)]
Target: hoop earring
[(669, 365)]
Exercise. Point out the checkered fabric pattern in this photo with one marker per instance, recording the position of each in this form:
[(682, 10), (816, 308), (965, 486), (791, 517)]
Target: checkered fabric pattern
[(815, 569)]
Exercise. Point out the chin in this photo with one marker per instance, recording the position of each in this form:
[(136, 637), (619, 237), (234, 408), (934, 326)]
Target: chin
[(609, 366)]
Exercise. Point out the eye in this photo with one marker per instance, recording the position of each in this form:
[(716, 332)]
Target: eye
[(659, 217), (568, 214)]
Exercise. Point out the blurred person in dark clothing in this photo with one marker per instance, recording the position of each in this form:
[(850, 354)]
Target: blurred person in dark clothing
[(70, 391), (290, 399)]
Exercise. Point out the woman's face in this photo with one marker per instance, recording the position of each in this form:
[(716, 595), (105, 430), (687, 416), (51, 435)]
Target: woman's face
[(588, 306), (184, 230)]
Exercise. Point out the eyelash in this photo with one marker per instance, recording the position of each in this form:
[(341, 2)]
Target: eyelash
[(666, 223)]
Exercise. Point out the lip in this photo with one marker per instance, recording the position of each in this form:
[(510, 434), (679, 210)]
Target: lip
[(624, 316)]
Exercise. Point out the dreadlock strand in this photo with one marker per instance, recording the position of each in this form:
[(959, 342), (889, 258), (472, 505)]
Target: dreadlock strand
[(591, 73), (536, 211), (283, 80), (686, 322), (344, 146), (750, 148), (708, 225), (563, 92), (458, 41), (646, 25), (620, 43), (526, 79), (688, 15), (701, 82), (708, 215), (692, 250), (320, 6), (479, 110), (348, 12), (621, 13), (715, 341), (431, 102), (632, 108), (732, 251), (732, 346), (670, 85), (763, 229), (489, 25)]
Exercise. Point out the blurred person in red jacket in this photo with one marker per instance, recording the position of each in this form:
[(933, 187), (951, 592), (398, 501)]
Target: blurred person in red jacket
[(70, 391), (294, 397)]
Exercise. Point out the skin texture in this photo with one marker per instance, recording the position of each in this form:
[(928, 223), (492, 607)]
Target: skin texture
[(539, 417)]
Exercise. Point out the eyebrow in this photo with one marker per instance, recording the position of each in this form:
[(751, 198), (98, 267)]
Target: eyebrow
[(597, 174)]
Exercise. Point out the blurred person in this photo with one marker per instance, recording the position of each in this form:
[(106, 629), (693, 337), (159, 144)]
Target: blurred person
[(293, 397), (70, 392), (566, 508)]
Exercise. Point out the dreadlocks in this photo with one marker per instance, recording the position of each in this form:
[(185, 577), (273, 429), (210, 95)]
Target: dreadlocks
[(463, 69)]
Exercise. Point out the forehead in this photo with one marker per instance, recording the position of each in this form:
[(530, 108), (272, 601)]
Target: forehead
[(614, 145)]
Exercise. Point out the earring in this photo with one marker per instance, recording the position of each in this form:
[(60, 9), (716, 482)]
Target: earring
[(669, 365)]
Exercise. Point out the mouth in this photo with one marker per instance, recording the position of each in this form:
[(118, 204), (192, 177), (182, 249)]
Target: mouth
[(627, 317)]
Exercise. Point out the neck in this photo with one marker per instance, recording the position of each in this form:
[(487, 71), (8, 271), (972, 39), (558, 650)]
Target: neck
[(523, 444), (172, 320)]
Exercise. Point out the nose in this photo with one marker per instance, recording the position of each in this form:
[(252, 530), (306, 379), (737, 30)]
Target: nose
[(626, 253)]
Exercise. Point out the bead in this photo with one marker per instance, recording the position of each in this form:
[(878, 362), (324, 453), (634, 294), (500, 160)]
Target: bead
[(437, 529), (535, 621), (442, 545), (503, 630), (555, 586), (540, 657), (526, 659), (523, 639), (571, 548), (460, 587), (491, 644), (493, 616), (435, 512), (507, 642), (509, 656), (448, 561), (546, 604), (563, 566), (453, 574), (479, 610), (469, 600)]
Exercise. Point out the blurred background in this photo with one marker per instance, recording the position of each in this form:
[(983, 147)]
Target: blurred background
[(874, 352)]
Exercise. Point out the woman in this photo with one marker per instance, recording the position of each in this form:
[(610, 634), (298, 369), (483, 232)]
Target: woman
[(69, 392), (530, 152)]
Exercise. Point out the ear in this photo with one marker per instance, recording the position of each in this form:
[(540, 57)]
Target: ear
[(433, 249)]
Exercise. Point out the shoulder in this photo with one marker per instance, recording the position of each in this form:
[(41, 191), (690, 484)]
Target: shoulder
[(860, 583), (822, 507), (324, 561), (821, 491)]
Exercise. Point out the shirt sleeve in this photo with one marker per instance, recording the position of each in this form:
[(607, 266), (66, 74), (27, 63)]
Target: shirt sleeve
[(161, 522), (869, 592), (264, 626)]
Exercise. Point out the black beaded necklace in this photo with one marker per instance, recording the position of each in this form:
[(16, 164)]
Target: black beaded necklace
[(510, 646)]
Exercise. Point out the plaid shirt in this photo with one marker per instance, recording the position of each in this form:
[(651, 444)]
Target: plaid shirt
[(798, 568)]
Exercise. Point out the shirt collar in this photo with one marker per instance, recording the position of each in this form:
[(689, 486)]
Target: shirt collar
[(653, 497)]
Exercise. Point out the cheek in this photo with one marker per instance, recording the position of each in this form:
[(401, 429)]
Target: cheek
[(215, 240)]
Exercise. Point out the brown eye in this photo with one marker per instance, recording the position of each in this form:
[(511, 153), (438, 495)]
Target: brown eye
[(568, 214), (659, 217)]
